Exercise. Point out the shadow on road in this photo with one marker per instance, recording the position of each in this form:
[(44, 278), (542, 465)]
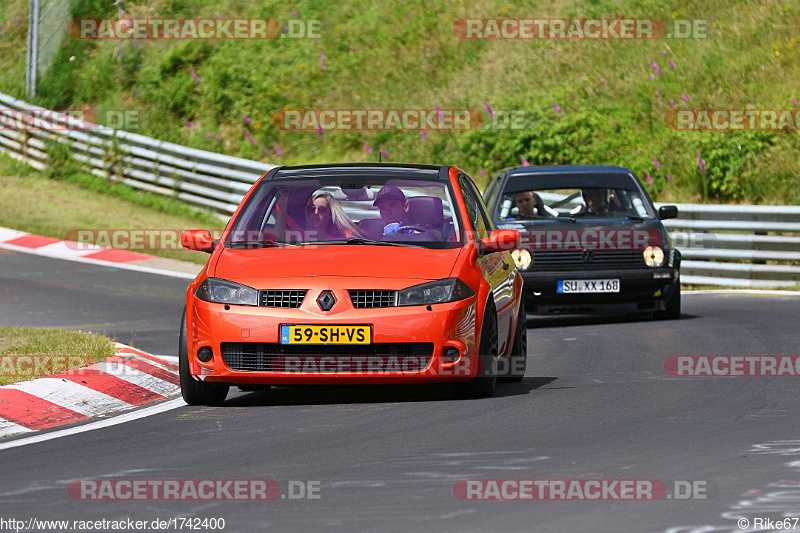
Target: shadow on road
[(326, 395), (536, 322)]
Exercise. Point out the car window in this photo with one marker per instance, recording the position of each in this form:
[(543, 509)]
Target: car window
[(300, 211), (475, 208), (584, 202)]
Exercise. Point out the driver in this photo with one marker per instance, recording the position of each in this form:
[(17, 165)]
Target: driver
[(595, 203), (392, 204)]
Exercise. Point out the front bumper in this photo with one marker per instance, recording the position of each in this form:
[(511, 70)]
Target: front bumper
[(444, 325), (640, 291)]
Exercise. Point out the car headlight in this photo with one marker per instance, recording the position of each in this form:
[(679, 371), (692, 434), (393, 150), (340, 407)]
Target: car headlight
[(435, 292), (522, 258), (226, 292), (653, 256)]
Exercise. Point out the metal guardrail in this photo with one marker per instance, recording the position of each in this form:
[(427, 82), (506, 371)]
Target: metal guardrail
[(205, 179), (739, 245), (742, 245)]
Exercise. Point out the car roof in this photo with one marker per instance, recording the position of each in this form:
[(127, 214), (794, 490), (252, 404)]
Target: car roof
[(561, 176), (559, 169), (386, 170)]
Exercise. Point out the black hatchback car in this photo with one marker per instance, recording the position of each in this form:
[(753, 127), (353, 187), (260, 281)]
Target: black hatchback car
[(592, 241)]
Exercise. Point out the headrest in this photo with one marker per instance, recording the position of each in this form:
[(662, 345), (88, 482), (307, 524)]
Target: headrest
[(425, 211)]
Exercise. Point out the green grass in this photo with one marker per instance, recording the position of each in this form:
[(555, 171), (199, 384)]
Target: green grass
[(50, 350), (398, 54), (53, 207)]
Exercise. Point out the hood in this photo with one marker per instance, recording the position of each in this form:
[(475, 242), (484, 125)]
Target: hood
[(343, 260), (589, 234)]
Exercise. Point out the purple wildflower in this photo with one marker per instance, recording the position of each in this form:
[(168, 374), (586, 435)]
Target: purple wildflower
[(685, 98), (208, 135), (439, 112), (367, 148), (794, 102), (187, 123), (669, 176), (581, 79), (194, 77), (277, 149), (319, 130), (384, 153), (246, 119), (649, 179), (663, 52), (652, 76), (655, 162), (555, 106), (483, 172), (424, 135), (294, 13), (671, 102), (525, 163), (672, 64), (264, 150), (489, 109), (249, 138), (602, 81)]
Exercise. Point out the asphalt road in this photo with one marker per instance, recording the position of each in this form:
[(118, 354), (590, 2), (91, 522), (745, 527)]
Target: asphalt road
[(596, 403)]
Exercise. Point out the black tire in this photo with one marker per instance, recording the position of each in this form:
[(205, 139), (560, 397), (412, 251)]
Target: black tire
[(196, 392), (484, 384), (673, 310), (513, 368)]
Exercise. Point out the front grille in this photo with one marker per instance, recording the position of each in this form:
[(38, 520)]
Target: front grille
[(291, 299), (368, 299), (544, 260), (376, 357)]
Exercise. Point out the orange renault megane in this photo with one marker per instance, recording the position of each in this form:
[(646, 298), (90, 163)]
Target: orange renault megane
[(354, 274)]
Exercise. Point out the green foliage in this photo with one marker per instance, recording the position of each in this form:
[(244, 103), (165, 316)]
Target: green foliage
[(396, 55)]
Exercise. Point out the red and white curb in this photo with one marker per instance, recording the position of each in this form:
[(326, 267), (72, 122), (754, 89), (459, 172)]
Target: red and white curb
[(128, 379), (29, 243)]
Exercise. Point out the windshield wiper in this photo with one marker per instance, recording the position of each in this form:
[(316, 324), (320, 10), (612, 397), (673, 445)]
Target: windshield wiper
[(360, 240), (266, 243)]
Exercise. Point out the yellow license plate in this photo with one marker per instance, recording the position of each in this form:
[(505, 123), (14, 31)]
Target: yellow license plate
[(298, 334)]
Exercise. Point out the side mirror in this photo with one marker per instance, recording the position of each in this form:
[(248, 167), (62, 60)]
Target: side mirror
[(199, 240), (501, 240), (667, 211)]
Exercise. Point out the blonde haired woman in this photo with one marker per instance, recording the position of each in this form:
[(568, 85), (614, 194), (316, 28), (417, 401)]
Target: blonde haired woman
[(326, 220)]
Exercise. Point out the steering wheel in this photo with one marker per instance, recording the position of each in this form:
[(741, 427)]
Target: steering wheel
[(419, 229)]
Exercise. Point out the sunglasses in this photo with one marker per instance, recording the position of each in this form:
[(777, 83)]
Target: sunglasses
[(311, 209)]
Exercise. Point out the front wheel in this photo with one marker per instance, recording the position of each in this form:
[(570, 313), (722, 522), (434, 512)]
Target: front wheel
[(673, 310), (518, 358), (195, 392), (484, 383)]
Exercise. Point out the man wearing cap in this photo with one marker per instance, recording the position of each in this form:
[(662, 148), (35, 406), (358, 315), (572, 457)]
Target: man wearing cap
[(393, 206)]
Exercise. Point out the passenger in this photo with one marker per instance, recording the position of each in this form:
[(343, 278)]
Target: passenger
[(326, 220)]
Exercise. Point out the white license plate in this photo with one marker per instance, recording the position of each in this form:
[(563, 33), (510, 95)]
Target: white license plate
[(568, 286)]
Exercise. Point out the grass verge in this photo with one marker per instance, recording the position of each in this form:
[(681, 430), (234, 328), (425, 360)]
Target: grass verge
[(52, 207), (29, 353)]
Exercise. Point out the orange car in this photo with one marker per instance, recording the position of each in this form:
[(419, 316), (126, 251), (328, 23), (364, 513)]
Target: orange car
[(354, 274)]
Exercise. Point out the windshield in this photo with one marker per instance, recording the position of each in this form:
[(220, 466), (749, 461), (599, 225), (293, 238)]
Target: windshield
[(348, 210), (574, 203)]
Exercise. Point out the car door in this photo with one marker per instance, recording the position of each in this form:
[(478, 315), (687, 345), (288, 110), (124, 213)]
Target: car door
[(498, 268)]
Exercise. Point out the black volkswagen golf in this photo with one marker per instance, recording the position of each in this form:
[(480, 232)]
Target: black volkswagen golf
[(592, 241)]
